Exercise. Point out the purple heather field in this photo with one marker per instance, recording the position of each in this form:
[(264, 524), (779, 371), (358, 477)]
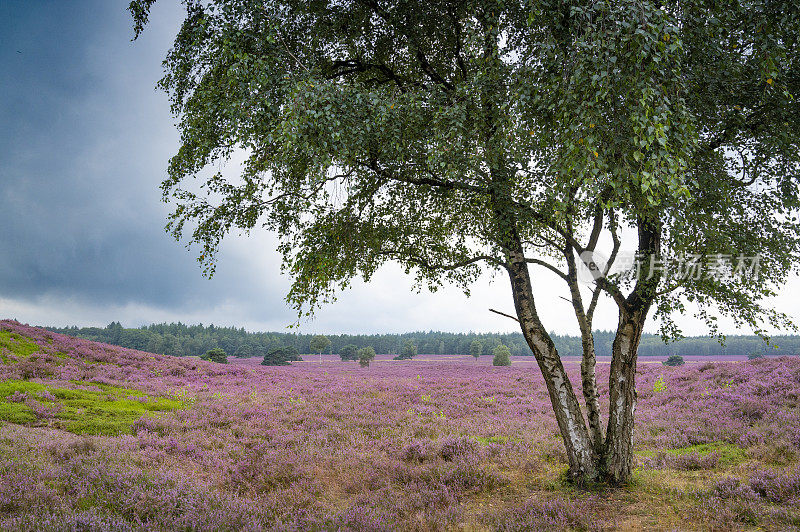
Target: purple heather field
[(435, 443)]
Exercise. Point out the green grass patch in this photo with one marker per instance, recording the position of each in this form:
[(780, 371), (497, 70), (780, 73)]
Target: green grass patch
[(728, 453), (92, 408), (18, 346), (491, 439)]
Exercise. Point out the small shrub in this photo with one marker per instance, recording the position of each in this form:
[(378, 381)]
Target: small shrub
[(17, 397), (547, 515), (754, 356), (215, 355), (674, 360), (454, 447), (684, 462), (280, 356), (777, 486), (349, 352), (502, 356), (416, 451), (659, 386), (365, 356), (751, 410), (732, 488), (467, 477), (408, 352)]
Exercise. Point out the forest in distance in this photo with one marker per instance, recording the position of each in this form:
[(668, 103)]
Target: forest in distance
[(178, 339)]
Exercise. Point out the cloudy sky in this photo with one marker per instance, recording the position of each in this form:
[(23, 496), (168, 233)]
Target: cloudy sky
[(84, 144)]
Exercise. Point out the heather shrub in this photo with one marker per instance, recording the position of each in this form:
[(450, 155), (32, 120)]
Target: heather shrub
[(692, 461), (453, 448), (732, 488), (554, 514), (750, 410), (177, 371), (262, 473), (723, 514), (34, 369), (430, 493), (363, 518), (62, 520), (17, 397), (777, 486), (471, 477), (416, 451), (67, 450)]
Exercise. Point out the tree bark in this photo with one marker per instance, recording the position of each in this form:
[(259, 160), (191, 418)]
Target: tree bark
[(618, 450), (591, 395)]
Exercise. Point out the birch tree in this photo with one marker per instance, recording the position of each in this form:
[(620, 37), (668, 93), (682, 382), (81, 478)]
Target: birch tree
[(523, 137)]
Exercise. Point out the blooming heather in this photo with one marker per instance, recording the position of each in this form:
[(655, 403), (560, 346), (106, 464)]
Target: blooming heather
[(433, 443)]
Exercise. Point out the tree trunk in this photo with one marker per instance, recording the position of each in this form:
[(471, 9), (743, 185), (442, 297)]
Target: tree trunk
[(591, 394), (583, 460), (618, 450)]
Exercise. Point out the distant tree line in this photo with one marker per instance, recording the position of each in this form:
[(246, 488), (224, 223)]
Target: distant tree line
[(179, 339)]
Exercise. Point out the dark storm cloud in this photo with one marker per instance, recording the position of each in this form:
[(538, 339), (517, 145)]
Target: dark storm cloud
[(84, 142)]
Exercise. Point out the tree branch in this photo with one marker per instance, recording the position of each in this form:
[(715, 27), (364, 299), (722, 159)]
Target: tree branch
[(504, 314), (548, 266), (612, 227), (357, 66), (598, 227), (423, 60), (430, 181), (749, 123)]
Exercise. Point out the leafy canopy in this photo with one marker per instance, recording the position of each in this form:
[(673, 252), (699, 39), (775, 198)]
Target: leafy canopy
[(476, 348), (319, 343), (430, 133)]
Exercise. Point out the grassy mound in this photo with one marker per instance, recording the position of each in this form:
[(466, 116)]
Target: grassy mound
[(83, 408), (15, 347), (85, 387)]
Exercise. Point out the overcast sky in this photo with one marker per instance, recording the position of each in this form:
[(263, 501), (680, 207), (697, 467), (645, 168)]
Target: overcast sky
[(84, 144)]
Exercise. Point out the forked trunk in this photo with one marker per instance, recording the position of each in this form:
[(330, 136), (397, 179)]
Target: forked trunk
[(591, 395), (618, 450)]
